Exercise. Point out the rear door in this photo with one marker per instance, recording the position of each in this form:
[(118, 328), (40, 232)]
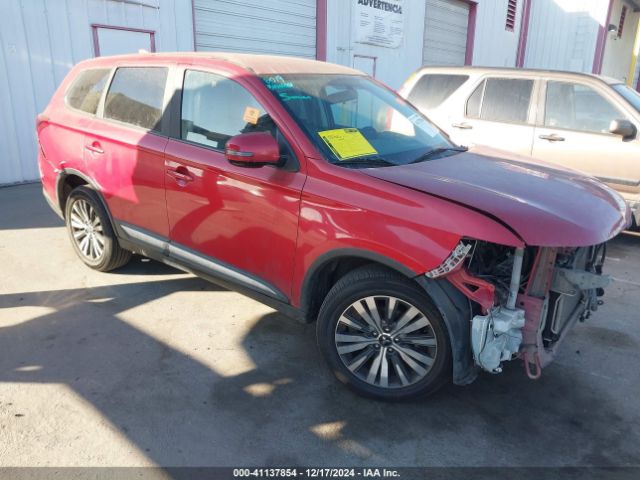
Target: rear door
[(231, 221), (500, 114), (124, 149), (573, 132)]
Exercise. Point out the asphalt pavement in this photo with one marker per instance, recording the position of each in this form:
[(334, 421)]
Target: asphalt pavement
[(152, 366)]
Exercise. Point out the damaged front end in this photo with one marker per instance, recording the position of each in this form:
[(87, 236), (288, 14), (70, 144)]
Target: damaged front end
[(524, 300)]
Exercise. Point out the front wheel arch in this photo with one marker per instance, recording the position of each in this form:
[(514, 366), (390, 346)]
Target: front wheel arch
[(329, 267)]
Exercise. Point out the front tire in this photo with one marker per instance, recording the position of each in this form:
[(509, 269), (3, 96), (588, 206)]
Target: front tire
[(90, 231), (382, 336)]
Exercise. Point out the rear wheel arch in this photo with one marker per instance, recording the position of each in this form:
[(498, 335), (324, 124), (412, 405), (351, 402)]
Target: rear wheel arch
[(70, 179)]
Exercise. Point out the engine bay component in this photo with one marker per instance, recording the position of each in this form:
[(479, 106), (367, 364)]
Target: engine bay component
[(496, 337)]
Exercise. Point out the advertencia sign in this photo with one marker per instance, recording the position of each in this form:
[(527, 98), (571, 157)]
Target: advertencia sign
[(379, 22)]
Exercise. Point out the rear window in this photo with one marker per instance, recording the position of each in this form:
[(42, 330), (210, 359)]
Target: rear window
[(86, 90), (431, 90), (136, 96), (504, 100)]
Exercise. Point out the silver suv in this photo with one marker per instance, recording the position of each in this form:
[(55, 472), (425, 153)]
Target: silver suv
[(580, 121)]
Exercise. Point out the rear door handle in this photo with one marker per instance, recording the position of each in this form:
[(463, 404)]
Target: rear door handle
[(462, 126), (95, 147), (180, 175), (552, 138)]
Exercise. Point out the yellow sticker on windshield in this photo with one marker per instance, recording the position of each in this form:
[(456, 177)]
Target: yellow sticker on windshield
[(251, 115), (347, 143)]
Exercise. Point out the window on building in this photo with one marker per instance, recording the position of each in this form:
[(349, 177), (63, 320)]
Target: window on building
[(431, 90), (504, 100), (214, 109), (136, 96), (87, 89), (512, 8), (623, 16), (573, 106)]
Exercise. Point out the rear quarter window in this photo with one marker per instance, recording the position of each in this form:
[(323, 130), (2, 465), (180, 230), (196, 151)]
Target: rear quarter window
[(431, 90), (136, 96), (86, 90)]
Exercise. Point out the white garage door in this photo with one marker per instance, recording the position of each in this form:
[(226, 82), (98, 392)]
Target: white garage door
[(445, 32), (281, 27)]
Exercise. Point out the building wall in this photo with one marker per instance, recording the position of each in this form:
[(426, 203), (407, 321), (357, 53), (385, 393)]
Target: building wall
[(618, 51), (494, 46), (563, 34), (40, 40), (392, 65)]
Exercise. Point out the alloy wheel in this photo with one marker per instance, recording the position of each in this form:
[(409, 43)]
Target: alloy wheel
[(87, 230), (385, 341)]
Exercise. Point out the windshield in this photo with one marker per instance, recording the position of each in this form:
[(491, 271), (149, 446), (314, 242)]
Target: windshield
[(629, 94), (355, 121)]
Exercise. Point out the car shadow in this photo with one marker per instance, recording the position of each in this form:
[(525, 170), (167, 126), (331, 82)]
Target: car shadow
[(33, 211), (182, 408)]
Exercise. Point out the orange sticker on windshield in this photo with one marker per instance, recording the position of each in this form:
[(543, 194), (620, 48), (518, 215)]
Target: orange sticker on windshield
[(251, 115), (347, 143)]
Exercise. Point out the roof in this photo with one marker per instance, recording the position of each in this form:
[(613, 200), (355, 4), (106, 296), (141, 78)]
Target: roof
[(523, 71), (258, 64)]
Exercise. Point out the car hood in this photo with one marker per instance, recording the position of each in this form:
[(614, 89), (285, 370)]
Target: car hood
[(545, 206)]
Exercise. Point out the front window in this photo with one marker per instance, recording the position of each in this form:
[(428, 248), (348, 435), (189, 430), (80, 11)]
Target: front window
[(353, 120), (629, 94), (573, 106)]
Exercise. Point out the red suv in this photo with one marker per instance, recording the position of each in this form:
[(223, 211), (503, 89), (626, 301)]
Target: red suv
[(320, 192)]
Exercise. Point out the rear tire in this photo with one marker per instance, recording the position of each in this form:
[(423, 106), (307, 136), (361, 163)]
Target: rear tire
[(382, 336), (91, 233)]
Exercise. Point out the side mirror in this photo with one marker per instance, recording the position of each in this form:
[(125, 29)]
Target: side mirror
[(624, 128), (253, 150)]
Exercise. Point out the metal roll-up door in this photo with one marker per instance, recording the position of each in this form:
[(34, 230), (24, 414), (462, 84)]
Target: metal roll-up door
[(279, 27), (445, 32)]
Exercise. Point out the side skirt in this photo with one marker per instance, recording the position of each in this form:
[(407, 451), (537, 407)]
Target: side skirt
[(160, 249)]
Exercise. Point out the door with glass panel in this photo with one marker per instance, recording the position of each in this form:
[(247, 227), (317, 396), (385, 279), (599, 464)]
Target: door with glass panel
[(238, 222), (575, 132), (498, 114)]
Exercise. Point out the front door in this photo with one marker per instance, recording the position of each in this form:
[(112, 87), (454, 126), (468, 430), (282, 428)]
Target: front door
[(498, 114), (575, 133), (235, 222)]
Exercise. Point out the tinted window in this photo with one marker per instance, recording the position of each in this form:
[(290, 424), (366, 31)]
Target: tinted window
[(87, 89), (578, 107), (214, 109), (475, 101), (506, 100), (431, 90), (136, 95)]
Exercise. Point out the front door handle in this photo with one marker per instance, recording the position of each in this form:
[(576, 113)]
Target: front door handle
[(462, 126), (181, 175), (95, 147), (552, 138)]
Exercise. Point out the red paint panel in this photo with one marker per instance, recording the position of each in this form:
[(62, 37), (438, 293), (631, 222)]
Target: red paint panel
[(246, 217), (601, 42), (471, 33), (321, 30), (524, 33), (545, 206), (129, 173)]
